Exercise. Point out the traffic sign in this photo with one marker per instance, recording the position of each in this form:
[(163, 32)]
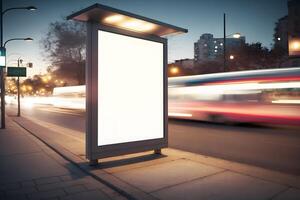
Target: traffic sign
[(2, 56), (16, 71)]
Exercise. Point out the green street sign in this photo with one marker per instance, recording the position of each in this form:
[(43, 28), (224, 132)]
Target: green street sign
[(16, 71), (2, 56)]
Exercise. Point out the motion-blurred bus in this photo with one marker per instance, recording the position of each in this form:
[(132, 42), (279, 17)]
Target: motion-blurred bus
[(259, 96), (72, 97)]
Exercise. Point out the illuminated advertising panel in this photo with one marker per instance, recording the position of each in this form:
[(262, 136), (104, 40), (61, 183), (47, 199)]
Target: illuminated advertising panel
[(130, 89), (294, 47)]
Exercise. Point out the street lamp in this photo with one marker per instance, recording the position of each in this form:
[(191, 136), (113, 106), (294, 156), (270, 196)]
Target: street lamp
[(13, 39), (234, 35), (19, 8), (2, 12), (28, 39)]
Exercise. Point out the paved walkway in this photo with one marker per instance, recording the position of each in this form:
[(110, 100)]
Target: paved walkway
[(31, 170), (173, 175)]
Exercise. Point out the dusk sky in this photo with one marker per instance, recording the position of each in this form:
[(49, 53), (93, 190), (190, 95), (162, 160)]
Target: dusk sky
[(255, 19)]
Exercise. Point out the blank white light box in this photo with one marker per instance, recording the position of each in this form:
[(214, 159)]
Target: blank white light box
[(130, 95)]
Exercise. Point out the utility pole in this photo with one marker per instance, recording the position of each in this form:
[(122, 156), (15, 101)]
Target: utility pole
[(18, 86), (2, 72), (224, 43)]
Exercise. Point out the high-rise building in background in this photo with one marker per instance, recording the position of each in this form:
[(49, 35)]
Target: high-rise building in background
[(294, 18), (294, 30), (208, 48), (281, 33)]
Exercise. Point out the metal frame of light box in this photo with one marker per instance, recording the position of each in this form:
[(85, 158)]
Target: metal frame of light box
[(93, 151)]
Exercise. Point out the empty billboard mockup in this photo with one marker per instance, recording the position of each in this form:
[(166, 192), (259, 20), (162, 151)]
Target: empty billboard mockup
[(130, 89)]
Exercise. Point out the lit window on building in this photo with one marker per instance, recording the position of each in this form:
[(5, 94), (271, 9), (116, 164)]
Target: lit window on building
[(216, 50), (216, 47)]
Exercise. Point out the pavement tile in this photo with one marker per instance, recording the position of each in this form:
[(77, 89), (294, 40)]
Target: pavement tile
[(226, 185), (27, 184), (69, 177), (75, 189), (139, 194), (17, 197), (90, 195), (93, 186), (29, 166), (47, 194), (53, 186), (9, 186), (119, 198), (158, 176), (47, 180), (290, 194), (21, 191), (52, 198), (21, 144), (88, 179), (2, 195)]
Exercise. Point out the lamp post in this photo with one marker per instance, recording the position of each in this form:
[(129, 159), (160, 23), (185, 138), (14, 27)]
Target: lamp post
[(2, 12), (18, 80), (235, 35), (224, 41), (18, 88)]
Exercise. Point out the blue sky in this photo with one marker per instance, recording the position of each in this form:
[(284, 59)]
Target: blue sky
[(253, 18)]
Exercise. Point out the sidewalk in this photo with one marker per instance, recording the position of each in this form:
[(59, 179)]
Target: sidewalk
[(173, 175), (31, 170)]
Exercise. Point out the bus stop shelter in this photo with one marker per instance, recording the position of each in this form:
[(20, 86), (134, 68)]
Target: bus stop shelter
[(126, 82)]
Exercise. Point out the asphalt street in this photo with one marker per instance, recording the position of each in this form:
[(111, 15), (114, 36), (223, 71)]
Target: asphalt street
[(276, 148)]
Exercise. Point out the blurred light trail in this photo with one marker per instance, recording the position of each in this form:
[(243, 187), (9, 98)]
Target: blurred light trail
[(180, 114), (287, 101), (261, 96), (69, 97)]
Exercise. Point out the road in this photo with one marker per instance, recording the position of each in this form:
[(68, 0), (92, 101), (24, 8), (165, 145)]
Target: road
[(68, 118), (276, 148)]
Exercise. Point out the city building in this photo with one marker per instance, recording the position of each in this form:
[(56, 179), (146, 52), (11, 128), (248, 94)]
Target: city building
[(294, 18), (209, 48), (294, 31), (281, 33)]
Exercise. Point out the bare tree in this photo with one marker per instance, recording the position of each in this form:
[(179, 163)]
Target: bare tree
[(64, 46)]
